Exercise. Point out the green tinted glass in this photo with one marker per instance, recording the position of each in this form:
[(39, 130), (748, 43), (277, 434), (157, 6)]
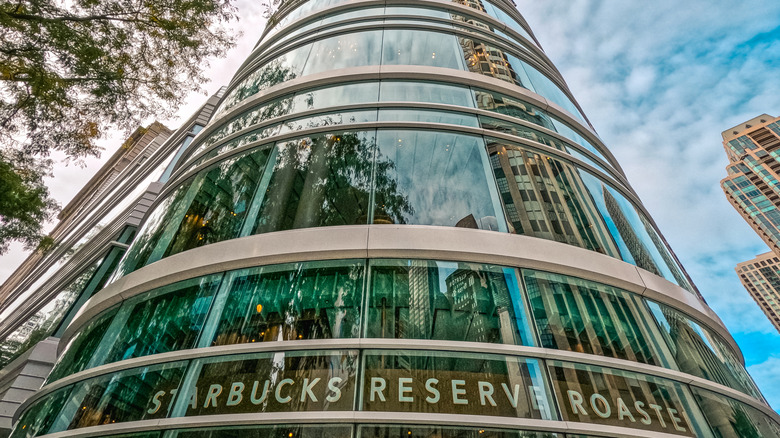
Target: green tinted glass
[(322, 180), (592, 394), (82, 346), (418, 299), (588, 317), (41, 415), (416, 431), (699, 351), (163, 320), (271, 382), (454, 383), (131, 395), (317, 300), (281, 431), (730, 418)]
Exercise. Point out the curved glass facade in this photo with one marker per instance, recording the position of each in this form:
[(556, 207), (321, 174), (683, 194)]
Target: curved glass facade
[(407, 120), (405, 299), (391, 176)]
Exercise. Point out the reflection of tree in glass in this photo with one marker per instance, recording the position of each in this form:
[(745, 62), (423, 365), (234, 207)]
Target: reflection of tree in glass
[(218, 209), (139, 252), (326, 180), (275, 72), (44, 322)]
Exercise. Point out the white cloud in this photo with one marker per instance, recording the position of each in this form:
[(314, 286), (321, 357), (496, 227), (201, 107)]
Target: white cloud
[(660, 81), (767, 376)]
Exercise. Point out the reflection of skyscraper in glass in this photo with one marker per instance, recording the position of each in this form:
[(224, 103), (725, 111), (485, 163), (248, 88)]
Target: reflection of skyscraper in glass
[(635, 245), (396, 222)]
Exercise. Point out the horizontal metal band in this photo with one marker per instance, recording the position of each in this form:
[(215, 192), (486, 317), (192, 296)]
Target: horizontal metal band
[(611, 172), (544, 67), (400, 241), (259, 51), (351, 418), (411, 73), (405, 344), (402, 125)]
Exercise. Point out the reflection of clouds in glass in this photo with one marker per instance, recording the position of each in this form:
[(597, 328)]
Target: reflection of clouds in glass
[(441, 175)]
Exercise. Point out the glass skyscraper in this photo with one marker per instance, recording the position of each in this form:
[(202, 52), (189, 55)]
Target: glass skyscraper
[(397, 222)]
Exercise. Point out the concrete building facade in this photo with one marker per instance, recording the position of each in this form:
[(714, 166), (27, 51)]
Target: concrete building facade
[(397, 222)]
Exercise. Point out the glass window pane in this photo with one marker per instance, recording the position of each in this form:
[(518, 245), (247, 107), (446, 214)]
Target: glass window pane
[(588, 317), (329, 119), (163, 320), (430, 92), (271, 382), (132, 395), (433, 178), (322, 180), (591, 394), (454, 383), (82, 346), (343, 51), (284, 68), (420, 47), (497, 13), (730, 418), (418, 299), (489, 60), (152, 230), (344, 94), (217, 209), (502, 104), (635, 236), (416, 431), (430, 116), (45, 321), (315, 300), (545, 87), (416, 11), (270, 110), (699, 351), (547, 198), (40, 416)]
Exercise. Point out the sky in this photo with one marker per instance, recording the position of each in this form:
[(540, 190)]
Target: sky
[(659, 81)]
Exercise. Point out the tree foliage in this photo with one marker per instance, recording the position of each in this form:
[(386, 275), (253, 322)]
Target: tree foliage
[(72, 69)]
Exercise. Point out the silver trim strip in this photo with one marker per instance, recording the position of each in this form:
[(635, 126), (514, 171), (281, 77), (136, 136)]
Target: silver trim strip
[(352, 418), (399, 241), (404, 344)]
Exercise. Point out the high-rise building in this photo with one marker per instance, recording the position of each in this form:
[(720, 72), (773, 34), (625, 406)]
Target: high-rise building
[(753, 188), (753, 182), (761, 277), (397, 222)]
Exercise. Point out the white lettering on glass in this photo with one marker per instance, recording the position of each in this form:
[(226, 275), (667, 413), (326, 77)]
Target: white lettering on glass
[(378, 386), (278, 392), (334, 389), (403, 389), (429, 386), (457, 391), (235, 396)]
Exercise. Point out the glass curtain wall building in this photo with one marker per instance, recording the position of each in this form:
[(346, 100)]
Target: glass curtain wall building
[(397, 223)]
